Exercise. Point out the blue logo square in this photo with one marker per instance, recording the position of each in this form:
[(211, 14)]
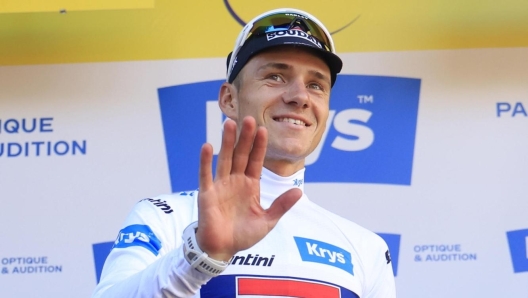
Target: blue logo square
[(518, 241), (393, 242), (369, 138)]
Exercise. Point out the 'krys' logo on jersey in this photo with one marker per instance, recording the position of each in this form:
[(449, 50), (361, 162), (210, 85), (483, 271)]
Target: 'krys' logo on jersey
[(138, 235), (324, 253), (369, 136)]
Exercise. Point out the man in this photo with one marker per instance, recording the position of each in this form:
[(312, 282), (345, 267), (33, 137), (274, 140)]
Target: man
[(227, 240)]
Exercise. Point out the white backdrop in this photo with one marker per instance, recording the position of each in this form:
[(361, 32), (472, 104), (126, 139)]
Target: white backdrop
[(468, 186)]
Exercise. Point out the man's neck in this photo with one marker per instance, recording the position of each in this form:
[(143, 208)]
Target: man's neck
[(283, 168)]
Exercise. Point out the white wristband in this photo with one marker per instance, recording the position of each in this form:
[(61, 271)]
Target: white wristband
[(197, 258)]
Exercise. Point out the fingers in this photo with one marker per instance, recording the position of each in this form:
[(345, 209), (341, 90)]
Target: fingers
[(225, 157), (243, 146), (282, 204), (247, 156), (206, 164), (258, 152)]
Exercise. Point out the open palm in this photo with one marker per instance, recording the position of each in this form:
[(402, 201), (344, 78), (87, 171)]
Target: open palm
[(231, 218)]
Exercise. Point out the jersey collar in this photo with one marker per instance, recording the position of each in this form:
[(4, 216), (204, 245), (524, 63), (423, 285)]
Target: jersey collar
[(273, 185)]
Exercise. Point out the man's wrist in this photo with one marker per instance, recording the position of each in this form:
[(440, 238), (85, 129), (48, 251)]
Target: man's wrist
[(197, 258)]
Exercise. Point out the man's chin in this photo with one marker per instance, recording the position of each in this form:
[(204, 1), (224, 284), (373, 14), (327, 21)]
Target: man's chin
[(287, 152)]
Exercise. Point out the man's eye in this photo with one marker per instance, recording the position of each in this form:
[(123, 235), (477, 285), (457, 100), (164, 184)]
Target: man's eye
[(315, 86), (275, 78)]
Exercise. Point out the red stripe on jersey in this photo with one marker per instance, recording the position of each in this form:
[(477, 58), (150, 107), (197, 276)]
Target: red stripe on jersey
[(292, 288)]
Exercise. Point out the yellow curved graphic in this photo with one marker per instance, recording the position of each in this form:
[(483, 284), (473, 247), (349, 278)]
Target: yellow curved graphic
[(204, 28), (242, 22), (65, 6)]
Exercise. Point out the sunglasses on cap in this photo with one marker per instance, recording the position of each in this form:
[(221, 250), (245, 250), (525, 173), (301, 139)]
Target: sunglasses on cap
[(282, 20)]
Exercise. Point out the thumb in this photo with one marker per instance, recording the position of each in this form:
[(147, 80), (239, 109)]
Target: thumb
[(282, 204)]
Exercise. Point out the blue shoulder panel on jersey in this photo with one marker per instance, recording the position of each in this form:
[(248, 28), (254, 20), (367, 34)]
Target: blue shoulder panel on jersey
[(138, 235)]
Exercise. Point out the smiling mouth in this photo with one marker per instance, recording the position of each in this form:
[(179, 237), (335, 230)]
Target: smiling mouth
[(292, 121)]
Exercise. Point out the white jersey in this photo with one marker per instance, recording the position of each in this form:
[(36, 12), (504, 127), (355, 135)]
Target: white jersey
[(311, 252)]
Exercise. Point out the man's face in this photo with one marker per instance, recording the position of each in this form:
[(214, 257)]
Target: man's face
[(287, 90)]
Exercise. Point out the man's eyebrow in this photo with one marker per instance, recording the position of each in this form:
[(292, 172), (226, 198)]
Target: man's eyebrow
[(285, 66), (275, 65), (320, 75)]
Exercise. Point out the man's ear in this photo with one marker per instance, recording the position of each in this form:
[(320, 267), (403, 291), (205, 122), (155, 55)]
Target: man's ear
[(228, 100)]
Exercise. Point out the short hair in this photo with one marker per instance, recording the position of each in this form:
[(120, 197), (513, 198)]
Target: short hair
[(237, 82)]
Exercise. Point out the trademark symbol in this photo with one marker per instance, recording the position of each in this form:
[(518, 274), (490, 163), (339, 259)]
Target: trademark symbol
[(366, 98)]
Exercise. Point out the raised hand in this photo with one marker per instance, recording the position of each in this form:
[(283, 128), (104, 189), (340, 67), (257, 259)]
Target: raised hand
[(230, 216)]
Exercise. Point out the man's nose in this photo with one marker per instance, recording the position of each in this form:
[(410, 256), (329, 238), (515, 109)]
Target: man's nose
[(297, 94)]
